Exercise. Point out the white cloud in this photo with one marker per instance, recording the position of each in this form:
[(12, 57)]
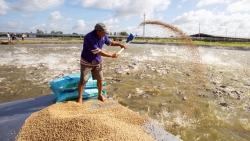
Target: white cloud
[(160, 17), (68, 19), (111, 21), (35, 5), (41, 26), (26, 16), (214, 23), (114, 28), (47, 28), (17, 26), (142, 6), (111, 24), (75, 2), (3, 7), (128, 7), (209, 2), (57, 27), (14, 24), (148, 16), (79, 26), (54, 16), (193, 16), (102, 3), (242, 5), (132, 29)]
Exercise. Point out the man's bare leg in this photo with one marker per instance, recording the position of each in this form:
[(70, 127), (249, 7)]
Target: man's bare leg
[(99, 86), (80, 89)]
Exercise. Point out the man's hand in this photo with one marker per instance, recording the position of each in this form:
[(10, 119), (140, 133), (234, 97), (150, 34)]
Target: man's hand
[(115, 55), (123, 46)]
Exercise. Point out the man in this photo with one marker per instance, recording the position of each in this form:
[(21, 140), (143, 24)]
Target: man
[(8, 35), (23, 35), (91, 58)]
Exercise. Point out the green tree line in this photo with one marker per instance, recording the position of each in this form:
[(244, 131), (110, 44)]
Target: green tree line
[(123, 33)]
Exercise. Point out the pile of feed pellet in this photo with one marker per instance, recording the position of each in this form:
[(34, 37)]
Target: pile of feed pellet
[(92, 120)]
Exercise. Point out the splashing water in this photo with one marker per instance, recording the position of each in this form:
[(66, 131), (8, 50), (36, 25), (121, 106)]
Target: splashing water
[(195, 66), (151, 80)]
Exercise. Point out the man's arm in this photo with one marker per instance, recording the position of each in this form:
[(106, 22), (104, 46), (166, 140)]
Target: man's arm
[(102, 53), (115, 55), (114, 43)]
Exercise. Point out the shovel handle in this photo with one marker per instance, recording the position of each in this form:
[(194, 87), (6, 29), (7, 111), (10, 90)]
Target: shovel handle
[(122, 48), (120, 51)]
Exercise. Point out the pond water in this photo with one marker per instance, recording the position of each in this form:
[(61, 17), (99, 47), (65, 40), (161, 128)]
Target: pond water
[(199, 93)]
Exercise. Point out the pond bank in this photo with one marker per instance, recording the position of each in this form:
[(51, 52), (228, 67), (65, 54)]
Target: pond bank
[(236, 47)]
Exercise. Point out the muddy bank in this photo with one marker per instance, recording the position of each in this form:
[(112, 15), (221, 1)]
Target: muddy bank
[(7, 43)]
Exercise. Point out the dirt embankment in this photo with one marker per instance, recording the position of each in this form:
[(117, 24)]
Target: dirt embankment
[(41, 42), (7, 43)]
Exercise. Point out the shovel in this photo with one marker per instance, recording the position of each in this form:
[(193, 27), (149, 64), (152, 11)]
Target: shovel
[(129, 39)]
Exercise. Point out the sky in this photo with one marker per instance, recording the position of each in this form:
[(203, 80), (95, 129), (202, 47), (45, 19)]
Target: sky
[(216, 17)]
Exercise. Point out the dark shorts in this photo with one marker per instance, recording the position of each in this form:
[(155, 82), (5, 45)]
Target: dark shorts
[(96, 72)]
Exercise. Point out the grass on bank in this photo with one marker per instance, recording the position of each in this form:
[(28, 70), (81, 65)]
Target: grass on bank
[(205, 43), (49, 41), (156, 41)]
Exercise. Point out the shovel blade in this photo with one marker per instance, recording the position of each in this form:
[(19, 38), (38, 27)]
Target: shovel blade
[(130, 37)]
